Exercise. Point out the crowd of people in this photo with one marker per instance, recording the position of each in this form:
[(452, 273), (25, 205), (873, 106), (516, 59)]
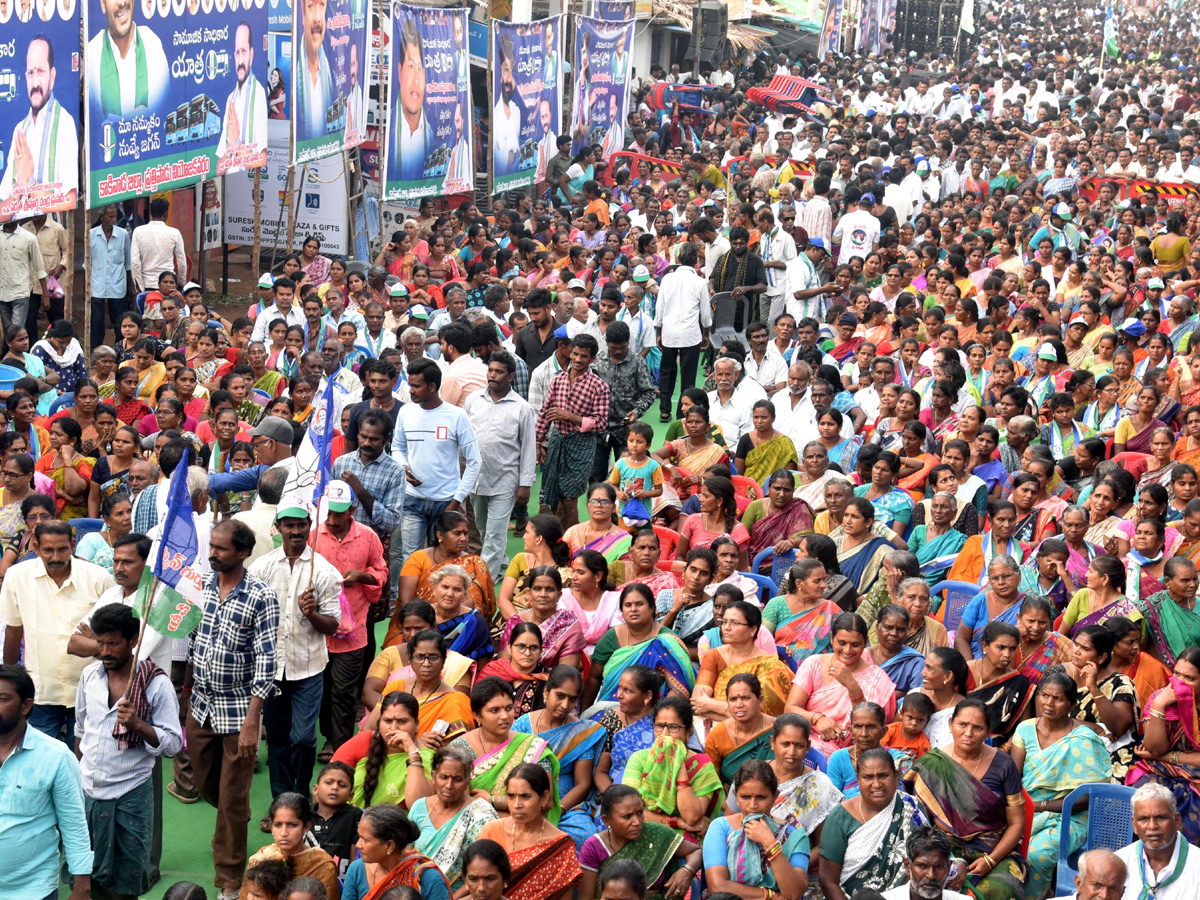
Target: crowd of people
[(908, 558)]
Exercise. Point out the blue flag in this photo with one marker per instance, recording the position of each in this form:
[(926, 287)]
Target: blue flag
[(322, 434), (177, 544), (314, 459)]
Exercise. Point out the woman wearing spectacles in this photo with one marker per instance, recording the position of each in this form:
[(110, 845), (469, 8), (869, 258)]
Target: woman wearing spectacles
[(523, 668), (681, 788), (425, 680), (600, 532)]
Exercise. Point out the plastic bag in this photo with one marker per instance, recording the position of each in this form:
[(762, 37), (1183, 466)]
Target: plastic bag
[(347, 625)]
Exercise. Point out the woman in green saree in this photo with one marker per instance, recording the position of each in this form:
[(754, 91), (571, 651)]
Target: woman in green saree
[(745, 733), (389, 764), (862, 840), (680, 787), (450, 819), (669, 860), (1055, 754), (496, 750), (1170, 618), (973, 793)]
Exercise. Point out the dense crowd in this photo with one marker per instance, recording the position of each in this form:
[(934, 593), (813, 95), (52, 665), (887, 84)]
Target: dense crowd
[(914, 561)]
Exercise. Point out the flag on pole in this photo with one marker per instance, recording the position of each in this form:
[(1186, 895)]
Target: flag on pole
[(175, 610), (1110, 35), (314, 459)]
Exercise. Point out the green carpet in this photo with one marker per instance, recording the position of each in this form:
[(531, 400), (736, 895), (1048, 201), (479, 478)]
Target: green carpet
[(187, 830)]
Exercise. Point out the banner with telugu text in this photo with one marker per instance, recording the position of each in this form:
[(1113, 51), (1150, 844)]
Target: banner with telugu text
[(526, 61), (175, 92)]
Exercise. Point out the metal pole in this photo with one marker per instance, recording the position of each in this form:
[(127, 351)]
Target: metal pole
[(256, 251), (200, 266)]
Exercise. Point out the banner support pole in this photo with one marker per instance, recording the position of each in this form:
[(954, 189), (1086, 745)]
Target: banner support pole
[(256, 251)]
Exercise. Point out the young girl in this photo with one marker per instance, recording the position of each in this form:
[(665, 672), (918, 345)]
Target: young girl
[(290, 820), (335, 821), (265, 880), (636, 475)]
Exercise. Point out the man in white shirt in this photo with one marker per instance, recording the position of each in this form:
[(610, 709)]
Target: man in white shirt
[(127, 68), (777, 248), (244, 127), (314, 77), (308, 587), (1161, 862), (157, 247), (506, 116), (283, 290), (857, 230), (927, 854), (356, 116), (682, 316), (764, 363), (731, 405)]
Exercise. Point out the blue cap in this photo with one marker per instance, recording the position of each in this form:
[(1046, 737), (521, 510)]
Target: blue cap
[(561, 333), (818, 242), (870, 113), (868, 197)]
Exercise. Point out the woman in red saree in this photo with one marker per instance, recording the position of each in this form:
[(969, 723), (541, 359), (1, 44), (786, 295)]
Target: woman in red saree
[(387, 860), (779, 517), (544, 860)]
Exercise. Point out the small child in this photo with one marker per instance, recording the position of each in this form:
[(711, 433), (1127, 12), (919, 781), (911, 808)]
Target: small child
[(635, 471), (907, 733), (266, 880), (335, 821)]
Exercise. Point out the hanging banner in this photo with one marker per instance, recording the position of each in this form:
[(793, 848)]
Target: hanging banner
[(614, 10), (600, 91), (329, 76), (526, 100), (428, 149), (279, 15), (39, 102), (175, 93)]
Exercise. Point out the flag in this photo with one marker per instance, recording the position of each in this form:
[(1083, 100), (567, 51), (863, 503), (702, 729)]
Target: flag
[(314, 460), (175, 610), (966, 20), (1110, 35)]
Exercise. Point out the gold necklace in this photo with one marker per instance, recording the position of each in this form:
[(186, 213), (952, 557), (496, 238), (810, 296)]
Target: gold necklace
[(513, 835), (962, 763)]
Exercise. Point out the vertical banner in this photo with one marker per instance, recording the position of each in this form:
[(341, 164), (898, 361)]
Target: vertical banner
[(175, 93), (830, 40), (329, 76), (428, 136), (39, 102), (600, 90), (614, 10), (526, 100)]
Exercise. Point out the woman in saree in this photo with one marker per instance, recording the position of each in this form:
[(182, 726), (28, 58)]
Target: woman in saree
[(290, 818), (496, 750), (1056, 754), (1146, 672), (591, 598), (888, 432), (1134, 432), (418, 576), (779, 519), (740, 653), (561, 634), (694, 452), (973, 794), (22, 413), (390, 763), (522, 668), (915, 463), (815, 473), (638, 639), (744, 733), (936, 543), (630, 724), (863, 840), (1160, 465), (1104, 412), (966, 517), (895, 504), (927, 632), (1107, 699), (1034, 524), (1170, 751), (450, 818), (387, 859), (669, 861), (97, 547), (425, 679), (1074, 523), (393, 666), (994, 679), (1146, 559), (16, 472), (688, 610), (801, 618), (543, 546), (860, 553), (262, 376), (1103, 521), (998, 602), (728, 557), (68, 468), (641, 566), (601, 532), (577, 744), (827, 686), (1040, 645), (867, 728), (763, 450), (900, 662), (842, 452), (680, 787), (1171, 623)]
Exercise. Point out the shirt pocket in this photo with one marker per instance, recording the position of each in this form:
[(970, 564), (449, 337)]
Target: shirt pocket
[(28, 797)]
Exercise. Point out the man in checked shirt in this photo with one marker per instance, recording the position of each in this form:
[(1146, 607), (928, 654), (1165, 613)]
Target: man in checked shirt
[(231, 672)]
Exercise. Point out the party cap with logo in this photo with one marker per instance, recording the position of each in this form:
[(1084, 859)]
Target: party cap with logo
[(265, 280), (641, 273), (293, 506), (338, 496), (397, 290)]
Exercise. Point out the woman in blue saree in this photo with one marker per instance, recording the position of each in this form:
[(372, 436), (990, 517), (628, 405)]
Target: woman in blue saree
[(577, 744), (628, 726), (860, 553), (936, 543), (900, 662), (894, 504)]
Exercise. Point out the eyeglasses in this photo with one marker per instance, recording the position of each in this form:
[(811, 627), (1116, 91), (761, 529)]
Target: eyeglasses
[(426, 658), (598, 502), (669, 728), (10, 474), (735, 622), (526, 648)]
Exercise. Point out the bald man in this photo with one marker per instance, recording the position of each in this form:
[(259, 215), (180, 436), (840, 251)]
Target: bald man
[(1101, 876)]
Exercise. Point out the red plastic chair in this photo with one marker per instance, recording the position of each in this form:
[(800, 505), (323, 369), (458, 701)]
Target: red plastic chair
[(684, 493), (1135, 463), (746, 490), (668, 540)]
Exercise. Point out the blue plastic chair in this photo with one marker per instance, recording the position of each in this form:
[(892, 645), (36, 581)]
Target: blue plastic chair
[(766, 587), (59, 402), (779, 565), (1109, 827), (958, 595), (817, 760), (85, 526)]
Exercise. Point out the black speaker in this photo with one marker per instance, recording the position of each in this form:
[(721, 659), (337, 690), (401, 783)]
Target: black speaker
[(712, 19)]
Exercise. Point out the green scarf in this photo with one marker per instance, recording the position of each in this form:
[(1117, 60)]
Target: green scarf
[(1148, 892), (110, 83)]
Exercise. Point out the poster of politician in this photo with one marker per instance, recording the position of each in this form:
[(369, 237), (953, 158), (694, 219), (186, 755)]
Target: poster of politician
[(329, 76), (39, 133), (600, 91), (429, 148), (614, 10), (175, 91), (526, 62)]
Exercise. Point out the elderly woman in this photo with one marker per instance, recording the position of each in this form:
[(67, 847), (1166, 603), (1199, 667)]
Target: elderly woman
[(450, 818), (460, 622), (814, 474), (1171, 618), (740, 654), (1041, 647), (924, 631), (778, 520), (902, 663), (1056, 754), (827, 686), (999, 602), (937, 543), (417, 577), (973, 794)]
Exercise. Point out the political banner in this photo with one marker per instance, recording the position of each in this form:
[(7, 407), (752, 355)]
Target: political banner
[(39, 102), (329, 77), (175, 92), (428, 150), (614, 10), (600, 90), (526, 100), (279, 15)]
